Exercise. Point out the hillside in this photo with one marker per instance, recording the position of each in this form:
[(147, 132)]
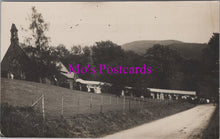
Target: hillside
[(79, 117), (24, 93), (188, 50)]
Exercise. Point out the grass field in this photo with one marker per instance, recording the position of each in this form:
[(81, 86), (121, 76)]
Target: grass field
[(15, 123), (80, 118), (23, 93)]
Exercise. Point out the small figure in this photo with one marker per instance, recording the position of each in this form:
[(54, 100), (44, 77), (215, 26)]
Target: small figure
[(122, 93), (207, 101), (12, 76), (55, 79)]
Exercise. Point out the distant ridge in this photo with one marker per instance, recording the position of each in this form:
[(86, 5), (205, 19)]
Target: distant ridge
[(188, 50)]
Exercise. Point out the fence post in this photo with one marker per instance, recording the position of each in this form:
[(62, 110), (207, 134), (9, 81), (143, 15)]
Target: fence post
[(101, 104), (90, 102), (129, 105), (43, 111), (110, 99), (124, 103), (78, 101), (62, 107)]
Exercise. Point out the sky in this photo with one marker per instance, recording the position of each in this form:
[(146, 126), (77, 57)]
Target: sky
[(84, 23)]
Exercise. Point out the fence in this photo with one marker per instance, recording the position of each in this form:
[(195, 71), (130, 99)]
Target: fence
[(68, 106), (53, 101)]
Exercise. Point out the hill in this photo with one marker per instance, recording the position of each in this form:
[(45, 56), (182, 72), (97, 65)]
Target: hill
[(188, 50), (80, 119), (24, 93)]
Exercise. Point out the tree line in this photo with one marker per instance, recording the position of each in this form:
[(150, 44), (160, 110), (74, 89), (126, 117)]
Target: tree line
[(170, 70)]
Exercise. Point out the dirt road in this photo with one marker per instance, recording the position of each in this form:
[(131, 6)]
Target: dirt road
[(184, 125)]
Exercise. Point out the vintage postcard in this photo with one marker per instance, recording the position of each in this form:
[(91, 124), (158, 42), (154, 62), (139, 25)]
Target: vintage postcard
[(119, 70)]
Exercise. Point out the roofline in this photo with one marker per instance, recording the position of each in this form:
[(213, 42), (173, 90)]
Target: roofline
[(173, 91)]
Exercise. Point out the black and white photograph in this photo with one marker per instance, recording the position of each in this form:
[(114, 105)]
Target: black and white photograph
[(110, 69)]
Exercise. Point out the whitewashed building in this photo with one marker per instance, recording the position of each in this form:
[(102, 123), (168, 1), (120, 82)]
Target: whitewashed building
[(170, 94), (92, 86)]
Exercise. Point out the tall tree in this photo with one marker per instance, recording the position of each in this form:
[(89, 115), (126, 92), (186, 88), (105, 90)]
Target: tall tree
[(211, 54), (38, 46), (164, 62), (210, 86)]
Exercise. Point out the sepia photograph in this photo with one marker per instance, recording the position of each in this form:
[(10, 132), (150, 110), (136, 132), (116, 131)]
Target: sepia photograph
[(110, 69)]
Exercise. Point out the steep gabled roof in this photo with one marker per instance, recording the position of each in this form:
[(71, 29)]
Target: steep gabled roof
[(14, 52), (65, 72)]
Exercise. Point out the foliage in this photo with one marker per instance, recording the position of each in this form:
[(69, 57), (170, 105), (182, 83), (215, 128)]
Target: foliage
[(107, 52), (164, 62), (211, 67), (38, 47), (110, 54), (211, 54), (170, 69), (76, 50)]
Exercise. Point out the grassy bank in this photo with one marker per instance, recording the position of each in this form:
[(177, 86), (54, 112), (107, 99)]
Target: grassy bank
[(69, 102), (26, 122), (212, 130)]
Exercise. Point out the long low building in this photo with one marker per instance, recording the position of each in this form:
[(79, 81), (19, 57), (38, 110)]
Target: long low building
[(157, 93), (170, 94), (172, 91)]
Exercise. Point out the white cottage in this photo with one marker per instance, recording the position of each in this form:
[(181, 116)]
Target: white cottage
[(92, 86)]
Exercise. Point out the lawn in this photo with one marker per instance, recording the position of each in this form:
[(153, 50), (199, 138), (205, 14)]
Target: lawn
[(23, 93)]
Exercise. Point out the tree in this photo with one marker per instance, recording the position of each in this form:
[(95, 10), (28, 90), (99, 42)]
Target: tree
[(164, 62), (214, 47), (76, 50), (38, 27), (211, 54), (107, 52), (38, 46), (60, 52), (211, 64)]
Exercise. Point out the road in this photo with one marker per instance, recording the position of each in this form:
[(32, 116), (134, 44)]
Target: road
[(184, 125)]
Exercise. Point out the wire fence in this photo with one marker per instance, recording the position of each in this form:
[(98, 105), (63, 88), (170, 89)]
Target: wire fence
[(68, 106), (53, 101)]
